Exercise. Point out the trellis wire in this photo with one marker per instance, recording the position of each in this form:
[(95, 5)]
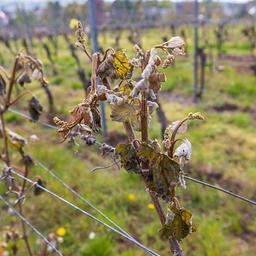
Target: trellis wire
[(46, 169), (87, 214), (30, 119), (30, 225), (220, 189), (186, 177)]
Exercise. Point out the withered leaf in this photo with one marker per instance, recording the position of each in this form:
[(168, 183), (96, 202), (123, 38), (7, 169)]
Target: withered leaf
[(184, 150), (35, 108), (27, 160), (15, 140), (122, 66), (122, 112), (37, 190), (87, 111), (125, 89), (96, 125), (128, 157), (179, 225), (107, 68), (165, 171), (82, 112)]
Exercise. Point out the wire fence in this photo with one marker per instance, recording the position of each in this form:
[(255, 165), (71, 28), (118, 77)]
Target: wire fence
[(235, 195), (80, 196), (131, 240), (114, 227), (221, 189), (26, 221)]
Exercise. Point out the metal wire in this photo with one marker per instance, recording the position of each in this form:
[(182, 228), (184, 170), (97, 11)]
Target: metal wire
[(31, 226), (79, 196), (186, 177), (220, 189), (63, 183), (30, 119), (87, 214), (66, 185)]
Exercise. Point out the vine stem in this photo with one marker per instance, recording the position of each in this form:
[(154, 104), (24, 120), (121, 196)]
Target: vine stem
[(24, 229), (11, 83), (5, 150), (171, 149), (174, 244), (6, 158)]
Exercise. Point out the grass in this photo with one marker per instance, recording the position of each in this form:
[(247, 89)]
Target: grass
[(223, 153)]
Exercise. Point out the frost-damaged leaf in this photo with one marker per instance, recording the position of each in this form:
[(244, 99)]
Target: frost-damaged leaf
[(86, 112), (107, 68), (125, 89), (176, 45), (35, 108), (122, 66), (127, 111), (113, 99), (16, 141), (122, 112), (184, 150), (165, 171), (179, 224), (129, 158), (148, 153), (27, 160)]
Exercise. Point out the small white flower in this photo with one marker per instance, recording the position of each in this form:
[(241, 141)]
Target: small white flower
[(60, 239), (38, 241), (184, 150), (92, 235)]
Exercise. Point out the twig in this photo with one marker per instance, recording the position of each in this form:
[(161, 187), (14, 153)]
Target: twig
[(103, 167)]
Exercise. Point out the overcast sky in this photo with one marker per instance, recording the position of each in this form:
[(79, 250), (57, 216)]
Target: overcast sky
[(28, 3), (65, 1)]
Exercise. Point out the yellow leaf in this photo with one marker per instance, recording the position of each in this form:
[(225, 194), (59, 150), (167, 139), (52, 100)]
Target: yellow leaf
[(122, 65), (15, 140), (73, 23), (125, 89)]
